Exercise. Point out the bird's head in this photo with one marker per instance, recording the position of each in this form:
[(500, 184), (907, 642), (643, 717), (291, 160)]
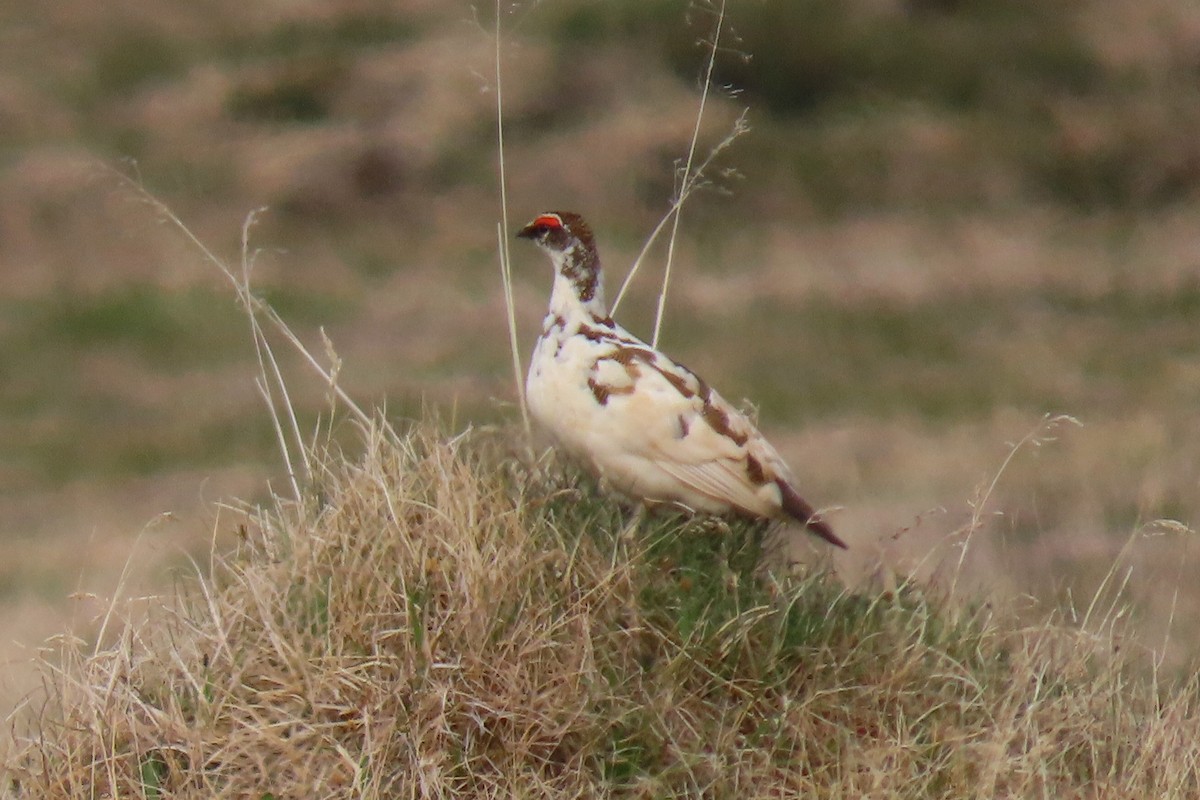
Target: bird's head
[(558, 232), (567, 239)]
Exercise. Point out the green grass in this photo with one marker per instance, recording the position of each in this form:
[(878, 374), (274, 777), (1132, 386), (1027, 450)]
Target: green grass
[(138, 56), (301, 39), (66, 420), (990, 103), (167, 329), (302, 92), (1001, 50), (948, 358)]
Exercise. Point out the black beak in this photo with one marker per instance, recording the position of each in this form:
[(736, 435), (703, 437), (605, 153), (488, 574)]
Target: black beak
[(528, 232)]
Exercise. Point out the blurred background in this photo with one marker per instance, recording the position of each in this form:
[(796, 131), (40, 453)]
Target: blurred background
[(948, 220)]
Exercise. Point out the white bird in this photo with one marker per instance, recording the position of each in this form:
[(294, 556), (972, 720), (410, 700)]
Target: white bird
[(647, 426)]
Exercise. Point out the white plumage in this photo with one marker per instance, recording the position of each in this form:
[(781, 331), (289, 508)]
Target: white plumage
[(645, 424)]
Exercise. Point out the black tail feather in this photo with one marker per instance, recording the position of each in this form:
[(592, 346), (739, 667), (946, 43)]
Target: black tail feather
[(796, 506)]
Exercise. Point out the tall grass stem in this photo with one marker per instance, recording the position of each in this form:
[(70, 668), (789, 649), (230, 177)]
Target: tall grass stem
[(687, 176), (502, 238)]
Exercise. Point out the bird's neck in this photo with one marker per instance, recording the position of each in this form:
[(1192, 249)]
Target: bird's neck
[(578, 284)]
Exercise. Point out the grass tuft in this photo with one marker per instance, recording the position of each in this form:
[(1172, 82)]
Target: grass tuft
[(437, 619)]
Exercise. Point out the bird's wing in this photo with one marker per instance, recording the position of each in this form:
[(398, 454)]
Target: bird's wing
[(674, 419), (724, 457), (656, 412)]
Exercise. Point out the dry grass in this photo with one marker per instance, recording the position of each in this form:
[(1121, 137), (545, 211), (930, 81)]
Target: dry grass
[(428, 620), (434, 621)]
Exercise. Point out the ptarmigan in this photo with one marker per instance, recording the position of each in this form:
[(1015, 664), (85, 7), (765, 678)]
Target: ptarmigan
[(645, 424)]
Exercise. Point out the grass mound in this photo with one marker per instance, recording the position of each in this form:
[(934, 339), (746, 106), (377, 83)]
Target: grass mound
[(438, 623)]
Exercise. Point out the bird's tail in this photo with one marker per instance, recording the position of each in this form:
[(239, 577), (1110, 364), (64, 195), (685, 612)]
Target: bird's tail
[(796, 506)]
